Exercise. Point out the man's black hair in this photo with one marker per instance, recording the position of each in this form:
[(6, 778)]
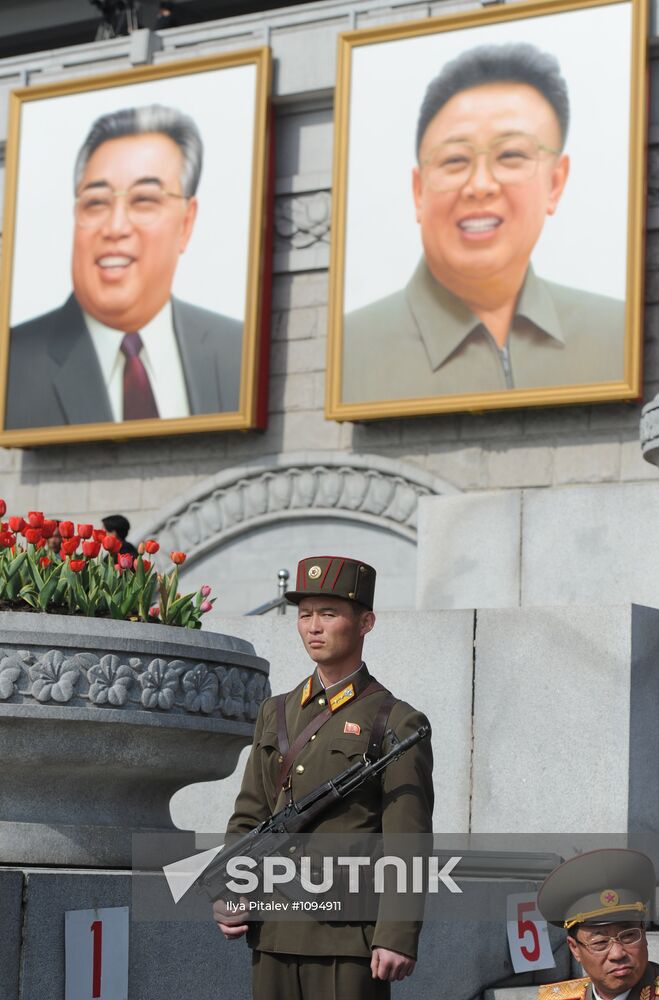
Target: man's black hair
[(514, 62), (117, 523)]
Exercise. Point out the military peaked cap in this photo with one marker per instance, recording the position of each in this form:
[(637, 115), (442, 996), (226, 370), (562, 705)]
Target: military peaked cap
[(334, 576), (599, 887)]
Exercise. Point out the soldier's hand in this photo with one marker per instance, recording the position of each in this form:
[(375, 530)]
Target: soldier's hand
[(390, 965), (230, 922)]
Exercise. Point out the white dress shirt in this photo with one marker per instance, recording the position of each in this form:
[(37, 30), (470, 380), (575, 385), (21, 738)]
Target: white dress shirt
[(621, 996), (159, 355)]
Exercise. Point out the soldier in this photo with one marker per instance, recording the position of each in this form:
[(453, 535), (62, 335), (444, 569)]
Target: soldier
[(330, 720), (603, 899)]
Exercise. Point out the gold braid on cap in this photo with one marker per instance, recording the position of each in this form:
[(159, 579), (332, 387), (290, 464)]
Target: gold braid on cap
[(604, 911)]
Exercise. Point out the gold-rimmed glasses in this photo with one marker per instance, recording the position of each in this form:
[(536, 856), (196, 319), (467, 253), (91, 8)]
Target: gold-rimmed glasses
[(144, 200), (628, 938), (511, 159)]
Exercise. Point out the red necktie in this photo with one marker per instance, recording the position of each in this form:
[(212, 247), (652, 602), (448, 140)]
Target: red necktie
[(139, 401)]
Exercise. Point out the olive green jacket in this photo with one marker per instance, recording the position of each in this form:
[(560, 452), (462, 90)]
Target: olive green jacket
[(401, 802), (581, 989), (424, 341)]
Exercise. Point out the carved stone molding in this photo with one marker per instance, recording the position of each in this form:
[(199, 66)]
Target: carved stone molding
[(650, 431), (302, 220), (358, 488)]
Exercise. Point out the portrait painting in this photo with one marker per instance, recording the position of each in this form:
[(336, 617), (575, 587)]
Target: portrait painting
[(134, 284), (488, 211)]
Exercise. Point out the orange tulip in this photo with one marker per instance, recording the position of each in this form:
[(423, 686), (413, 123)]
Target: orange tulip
[(178, 557)]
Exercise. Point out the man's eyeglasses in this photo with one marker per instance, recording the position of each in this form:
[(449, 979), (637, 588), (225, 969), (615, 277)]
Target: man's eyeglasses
[(512, 159), (627, 938), (144, 204)]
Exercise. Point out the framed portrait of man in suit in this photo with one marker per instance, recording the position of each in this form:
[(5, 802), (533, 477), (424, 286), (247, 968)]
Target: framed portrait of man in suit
[(134, 281), (488, 210)]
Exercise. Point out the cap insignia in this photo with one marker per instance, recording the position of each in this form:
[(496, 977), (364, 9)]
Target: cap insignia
[(347, 694), (314, 572), (306, 692), (609, 898)]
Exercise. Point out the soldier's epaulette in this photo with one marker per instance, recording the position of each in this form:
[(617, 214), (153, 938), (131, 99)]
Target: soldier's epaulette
[(571, 989)]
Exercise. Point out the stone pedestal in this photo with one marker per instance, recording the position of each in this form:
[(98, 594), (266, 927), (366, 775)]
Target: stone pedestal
[(102, 721)]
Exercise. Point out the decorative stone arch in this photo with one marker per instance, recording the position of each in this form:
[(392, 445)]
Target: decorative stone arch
[(360, 488)]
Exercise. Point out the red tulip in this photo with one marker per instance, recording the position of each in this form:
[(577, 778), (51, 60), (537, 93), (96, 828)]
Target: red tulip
[(145, 563), (111, 544), (91, 548), (85, 530), (77, 564), (3, 508), (178, 557), (69, 545), (45, 561), (99, 534), (125, 560), (154, 611), (48, 528), (41, 543), (35, 518), (32, 535), (7, 540), (151, 546), (66, 529), (16, 523)]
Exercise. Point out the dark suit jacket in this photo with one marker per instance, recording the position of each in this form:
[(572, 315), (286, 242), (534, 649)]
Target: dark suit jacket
[(55, 377)]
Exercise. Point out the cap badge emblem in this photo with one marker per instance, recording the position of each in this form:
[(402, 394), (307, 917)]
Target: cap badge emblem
[(314, 572), (609, 898)]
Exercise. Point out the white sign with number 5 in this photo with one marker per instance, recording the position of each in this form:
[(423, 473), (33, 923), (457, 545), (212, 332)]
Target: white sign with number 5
[(528, 935), (96, 944)]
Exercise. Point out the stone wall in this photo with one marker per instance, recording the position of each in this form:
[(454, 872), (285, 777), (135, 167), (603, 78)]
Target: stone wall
[(518, 449)]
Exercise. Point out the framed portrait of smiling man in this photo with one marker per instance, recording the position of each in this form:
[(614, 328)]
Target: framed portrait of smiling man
[(488, 211), (134, 280)]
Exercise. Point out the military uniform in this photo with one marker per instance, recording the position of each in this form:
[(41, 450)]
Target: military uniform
[(401, 801), (613, 886), (582, 989)]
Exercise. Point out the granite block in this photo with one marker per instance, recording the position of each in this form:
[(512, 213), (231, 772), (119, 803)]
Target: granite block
[(469, 550), (11, 926)]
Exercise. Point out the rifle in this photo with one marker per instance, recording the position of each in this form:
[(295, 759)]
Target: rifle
[(273, 834)]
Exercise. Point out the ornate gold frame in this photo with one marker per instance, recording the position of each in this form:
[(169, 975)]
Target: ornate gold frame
[(254, 354), (627, 389)]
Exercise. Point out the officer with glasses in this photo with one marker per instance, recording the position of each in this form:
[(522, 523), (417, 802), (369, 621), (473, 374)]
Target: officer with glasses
[(603, 899)]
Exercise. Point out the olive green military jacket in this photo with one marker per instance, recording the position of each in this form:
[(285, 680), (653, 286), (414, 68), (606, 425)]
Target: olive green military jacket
[(400, 802), (582, 989), (424, 341)]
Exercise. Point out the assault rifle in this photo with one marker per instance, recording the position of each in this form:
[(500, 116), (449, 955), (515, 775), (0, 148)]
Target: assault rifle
[(270, 837)]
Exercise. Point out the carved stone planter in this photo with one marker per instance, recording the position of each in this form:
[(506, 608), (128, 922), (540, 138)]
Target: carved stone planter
[(102, 721)]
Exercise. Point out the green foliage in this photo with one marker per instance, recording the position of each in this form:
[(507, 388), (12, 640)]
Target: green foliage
[(95, 587)]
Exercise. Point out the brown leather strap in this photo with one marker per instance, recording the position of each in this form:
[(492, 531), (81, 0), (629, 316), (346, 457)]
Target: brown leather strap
[(374, 751), (291, 754), (282, 732)]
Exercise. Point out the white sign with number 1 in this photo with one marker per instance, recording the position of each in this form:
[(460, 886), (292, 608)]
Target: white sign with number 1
[(528, 936), (96, 944)]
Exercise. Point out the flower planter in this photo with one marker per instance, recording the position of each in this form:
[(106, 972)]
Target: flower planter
[(102, 721)]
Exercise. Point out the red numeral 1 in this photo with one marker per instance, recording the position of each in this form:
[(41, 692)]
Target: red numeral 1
[(97, 930)]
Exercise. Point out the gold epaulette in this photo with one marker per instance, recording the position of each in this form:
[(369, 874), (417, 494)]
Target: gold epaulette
[(571, 989)]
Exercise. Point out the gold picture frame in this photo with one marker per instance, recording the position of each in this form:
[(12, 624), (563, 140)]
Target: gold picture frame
[(384, 342), (221, 368)]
